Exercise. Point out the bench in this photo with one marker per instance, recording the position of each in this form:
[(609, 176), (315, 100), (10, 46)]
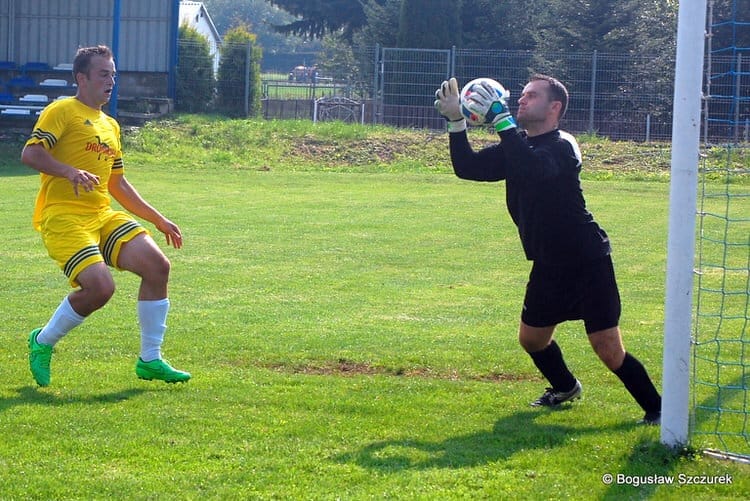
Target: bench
[(35, 66), (8, 66), (35, 98), (20, 111), (53, 82), (20, 83), (31, 107)]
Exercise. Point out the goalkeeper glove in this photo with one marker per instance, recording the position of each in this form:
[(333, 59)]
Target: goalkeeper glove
[(446, 103), (485, 101)]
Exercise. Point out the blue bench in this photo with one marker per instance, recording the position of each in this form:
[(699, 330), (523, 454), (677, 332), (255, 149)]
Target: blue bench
[(18, 84), (35, 66), (8, 66)]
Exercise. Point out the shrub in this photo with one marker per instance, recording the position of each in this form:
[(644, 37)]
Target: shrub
[(195, 84), (235, 76)]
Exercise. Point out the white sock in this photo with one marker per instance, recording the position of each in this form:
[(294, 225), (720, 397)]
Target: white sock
[(152, 316), (63, 321)]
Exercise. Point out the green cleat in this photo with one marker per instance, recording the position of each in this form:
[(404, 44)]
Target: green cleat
[(40, 356), (161, 370)]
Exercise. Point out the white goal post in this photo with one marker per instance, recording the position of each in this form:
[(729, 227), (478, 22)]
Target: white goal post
[(686, 129)]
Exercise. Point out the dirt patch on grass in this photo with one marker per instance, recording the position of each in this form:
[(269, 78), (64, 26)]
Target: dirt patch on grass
[(372, 150), (348, 368), (362, 152)]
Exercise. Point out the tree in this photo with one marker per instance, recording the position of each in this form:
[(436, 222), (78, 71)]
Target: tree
[(382, 23), (506, 25), (262, 17), (195, 74), (337, 59), (318, 17), (239, 48), (623, 27), (429, 24)]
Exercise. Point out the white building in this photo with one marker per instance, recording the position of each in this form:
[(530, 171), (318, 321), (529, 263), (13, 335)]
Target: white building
[(195, 15)]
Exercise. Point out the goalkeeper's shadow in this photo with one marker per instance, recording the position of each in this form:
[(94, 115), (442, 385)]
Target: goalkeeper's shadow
[(510, 435), (26, 395)]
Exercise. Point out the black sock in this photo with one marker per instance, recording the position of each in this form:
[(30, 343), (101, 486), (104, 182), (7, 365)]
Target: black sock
[(638, 383), (550, 363)]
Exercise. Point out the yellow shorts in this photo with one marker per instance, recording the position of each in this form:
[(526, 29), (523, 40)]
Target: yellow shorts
[(76, 241)]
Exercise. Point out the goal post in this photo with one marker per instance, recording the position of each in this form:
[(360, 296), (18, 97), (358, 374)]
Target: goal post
[(686, 128)]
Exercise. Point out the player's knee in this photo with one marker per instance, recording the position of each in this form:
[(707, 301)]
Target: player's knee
[(611, 355), (531, 344), (608, 346), (105, 295), (99, 293), (525, 344), (160, 268), (155, 270)]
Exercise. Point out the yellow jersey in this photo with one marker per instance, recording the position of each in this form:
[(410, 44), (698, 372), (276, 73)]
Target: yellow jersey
[(84, 138)]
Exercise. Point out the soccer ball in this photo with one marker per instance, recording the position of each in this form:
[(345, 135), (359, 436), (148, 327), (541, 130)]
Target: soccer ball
[(472, 115)]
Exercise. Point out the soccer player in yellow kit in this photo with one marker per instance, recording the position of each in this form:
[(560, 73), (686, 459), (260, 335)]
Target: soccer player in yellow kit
[(76, 148)]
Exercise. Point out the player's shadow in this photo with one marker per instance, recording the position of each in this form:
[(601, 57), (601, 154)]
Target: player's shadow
[(26, 395), (508, 436)]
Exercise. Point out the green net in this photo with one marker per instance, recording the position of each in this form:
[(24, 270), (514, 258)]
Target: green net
[(721, 352), (720, 417)]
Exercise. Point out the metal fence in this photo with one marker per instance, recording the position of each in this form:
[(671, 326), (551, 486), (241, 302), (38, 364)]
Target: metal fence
[(621, 96), (611, 95)]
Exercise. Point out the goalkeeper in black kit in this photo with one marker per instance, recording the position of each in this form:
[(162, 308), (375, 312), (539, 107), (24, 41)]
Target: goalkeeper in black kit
[(572, 276)]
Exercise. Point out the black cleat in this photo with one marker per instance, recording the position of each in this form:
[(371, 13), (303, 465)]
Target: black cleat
[(552, 398), (651, 419)]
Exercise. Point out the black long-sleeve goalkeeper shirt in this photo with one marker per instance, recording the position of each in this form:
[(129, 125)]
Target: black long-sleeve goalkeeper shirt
[(543, 193)]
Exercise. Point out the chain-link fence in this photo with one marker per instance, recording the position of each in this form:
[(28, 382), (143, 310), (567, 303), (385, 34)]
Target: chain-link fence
[(621, 96)]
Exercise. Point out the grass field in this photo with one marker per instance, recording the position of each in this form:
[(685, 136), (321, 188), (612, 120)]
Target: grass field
[(278, 86), (348, 309)]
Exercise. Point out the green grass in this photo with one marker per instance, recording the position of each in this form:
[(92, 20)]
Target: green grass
[(279, 87), (348, 309)]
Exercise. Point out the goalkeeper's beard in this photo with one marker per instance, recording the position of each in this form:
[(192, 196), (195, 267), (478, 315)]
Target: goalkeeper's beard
[(532, 118), (525, 121)]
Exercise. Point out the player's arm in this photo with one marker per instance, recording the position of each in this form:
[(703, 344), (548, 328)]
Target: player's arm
[(127, 196), (37, 157), (487, 164), (539, 163)]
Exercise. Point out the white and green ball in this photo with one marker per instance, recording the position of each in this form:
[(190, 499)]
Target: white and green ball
[(472, 115)]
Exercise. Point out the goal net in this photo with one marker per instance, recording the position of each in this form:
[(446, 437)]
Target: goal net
[(720, 396), (706, 379)]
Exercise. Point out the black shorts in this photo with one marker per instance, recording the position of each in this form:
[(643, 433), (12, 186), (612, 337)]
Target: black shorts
[(585, 292)]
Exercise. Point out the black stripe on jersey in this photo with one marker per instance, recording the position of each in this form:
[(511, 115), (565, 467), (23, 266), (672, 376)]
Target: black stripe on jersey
[(109, 245), (78, 257), (117, 164), (44, 136)]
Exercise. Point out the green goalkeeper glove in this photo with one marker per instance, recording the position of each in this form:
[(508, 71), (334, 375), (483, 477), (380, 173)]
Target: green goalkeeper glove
[(494, 108)]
